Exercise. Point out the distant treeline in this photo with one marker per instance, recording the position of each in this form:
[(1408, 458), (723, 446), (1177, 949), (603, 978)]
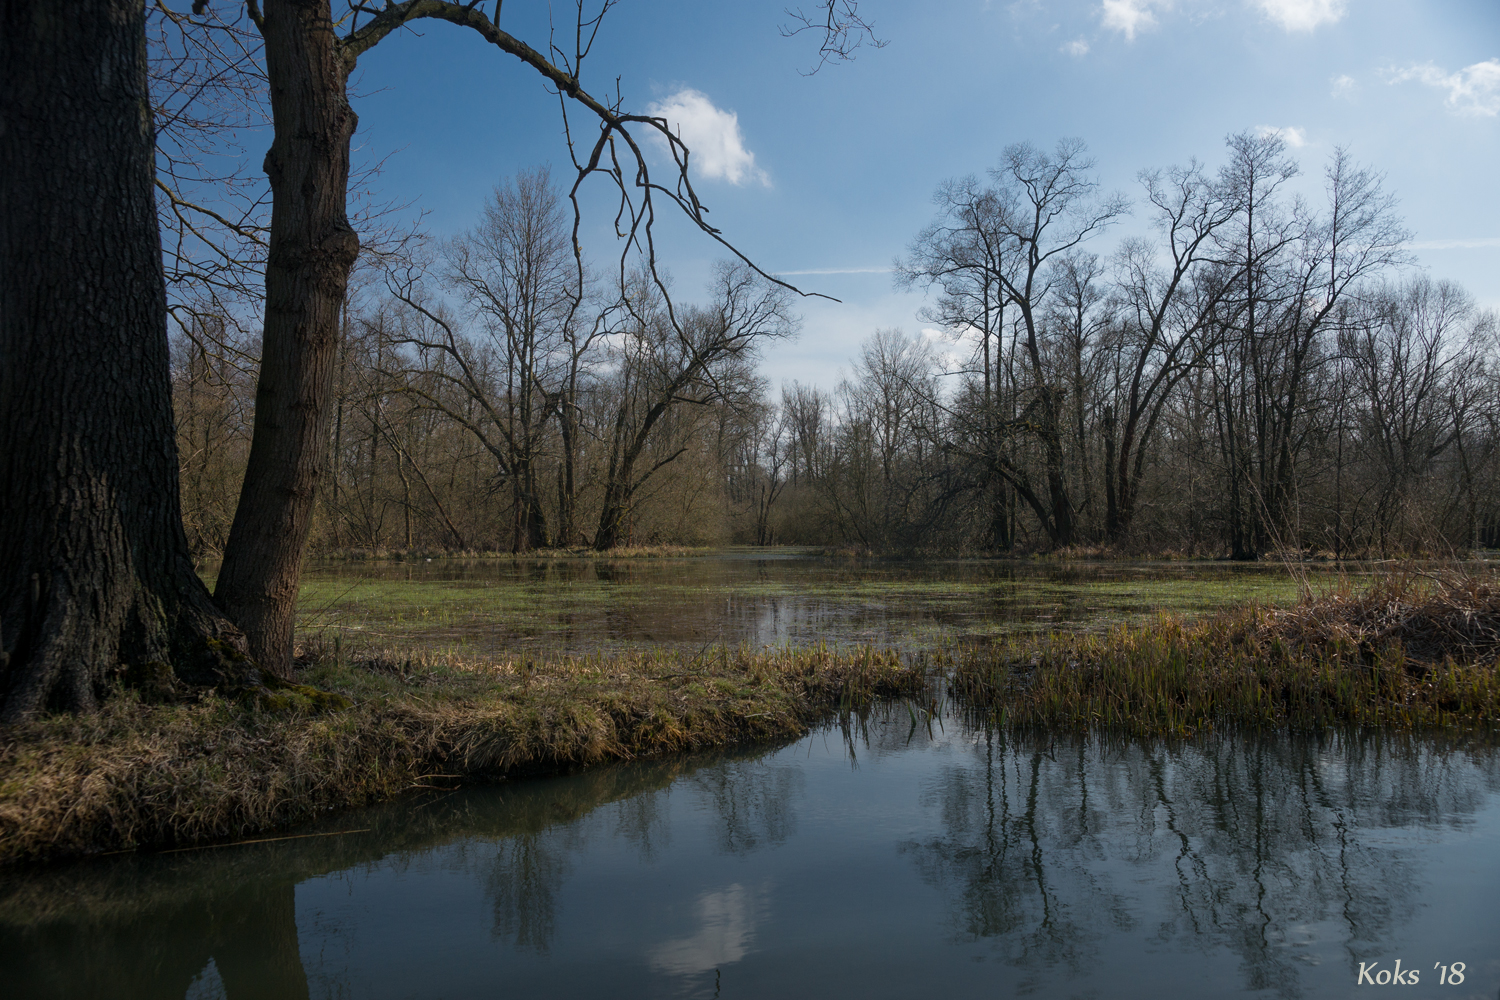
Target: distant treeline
[(1260, 375)]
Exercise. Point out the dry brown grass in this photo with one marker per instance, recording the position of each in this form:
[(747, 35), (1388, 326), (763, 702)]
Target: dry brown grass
[(1430, 616), (136, 775), (1411, 651)]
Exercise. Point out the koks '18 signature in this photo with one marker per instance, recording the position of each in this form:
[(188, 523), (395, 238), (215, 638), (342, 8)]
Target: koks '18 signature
[(1371, 974)]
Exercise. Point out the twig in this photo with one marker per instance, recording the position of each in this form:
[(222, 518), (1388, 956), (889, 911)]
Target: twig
[(263, 840)]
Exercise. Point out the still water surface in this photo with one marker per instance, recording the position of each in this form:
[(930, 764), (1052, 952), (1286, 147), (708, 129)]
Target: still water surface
[(878, 860), (756, 596)]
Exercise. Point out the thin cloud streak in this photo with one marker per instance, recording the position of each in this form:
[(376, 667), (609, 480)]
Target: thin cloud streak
[(841, 270), (1478, 243)]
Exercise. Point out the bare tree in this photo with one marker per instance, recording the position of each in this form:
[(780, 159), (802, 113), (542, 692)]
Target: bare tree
[(535, 344), (1290, 271), (664, 361), (515, 270), (211, 397), (312, 247), (1170, 291), (1078, 324), (999, 242), (841, 26), (1413, 353), (885, 428)]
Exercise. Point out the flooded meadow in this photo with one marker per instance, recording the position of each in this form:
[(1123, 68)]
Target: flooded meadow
[(758, 597)]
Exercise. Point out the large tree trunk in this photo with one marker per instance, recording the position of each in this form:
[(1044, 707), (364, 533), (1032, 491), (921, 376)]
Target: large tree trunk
[(95, 578), (312, 248)]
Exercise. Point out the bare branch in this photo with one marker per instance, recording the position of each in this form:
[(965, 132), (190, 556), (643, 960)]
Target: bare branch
[(842, 28)]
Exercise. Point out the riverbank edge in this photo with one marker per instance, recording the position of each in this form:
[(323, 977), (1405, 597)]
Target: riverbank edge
[(1410, 651), (136, 776)]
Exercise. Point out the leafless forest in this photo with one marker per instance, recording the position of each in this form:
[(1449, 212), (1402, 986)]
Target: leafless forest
[(1254, 371), (1264, 375)]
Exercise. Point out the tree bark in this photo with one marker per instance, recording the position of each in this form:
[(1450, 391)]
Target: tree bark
[(96, 581), (313, 248)]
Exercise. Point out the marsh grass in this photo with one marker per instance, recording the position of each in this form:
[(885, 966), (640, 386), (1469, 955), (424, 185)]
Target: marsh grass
[(136, 775), (1412, 650)]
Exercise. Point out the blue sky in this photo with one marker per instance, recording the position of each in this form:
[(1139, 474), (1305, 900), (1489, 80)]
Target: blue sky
[(835, 172)]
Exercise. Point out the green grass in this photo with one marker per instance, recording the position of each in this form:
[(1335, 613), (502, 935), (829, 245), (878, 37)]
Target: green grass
[(498, 612)]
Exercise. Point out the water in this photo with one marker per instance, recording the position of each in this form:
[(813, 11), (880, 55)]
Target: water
[(877, 860), (753, 596)]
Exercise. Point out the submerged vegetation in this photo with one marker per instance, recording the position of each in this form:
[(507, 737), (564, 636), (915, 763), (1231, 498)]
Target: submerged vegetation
[(490, 607)]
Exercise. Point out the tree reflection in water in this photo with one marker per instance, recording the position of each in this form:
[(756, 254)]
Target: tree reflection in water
[(1051, 855), (149, 925), (752, 803), (1263, 831)]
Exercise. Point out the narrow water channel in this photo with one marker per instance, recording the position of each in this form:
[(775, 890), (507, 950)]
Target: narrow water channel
[(877, 860)]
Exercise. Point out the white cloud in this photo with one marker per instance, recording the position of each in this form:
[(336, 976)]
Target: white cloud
[(1132, 16), (717, 149), (1344, 86), (1077, 47), (1302, 15), (1294, 137), (1473, 90), (1129, 16)]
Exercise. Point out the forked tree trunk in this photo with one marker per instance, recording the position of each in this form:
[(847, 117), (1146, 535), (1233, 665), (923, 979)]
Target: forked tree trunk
[(95, 576), (313, 248)]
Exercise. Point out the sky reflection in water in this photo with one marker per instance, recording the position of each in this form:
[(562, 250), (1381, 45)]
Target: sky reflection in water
[(873, 861)]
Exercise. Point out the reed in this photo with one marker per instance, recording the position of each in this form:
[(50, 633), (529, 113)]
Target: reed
[(1412, 650)]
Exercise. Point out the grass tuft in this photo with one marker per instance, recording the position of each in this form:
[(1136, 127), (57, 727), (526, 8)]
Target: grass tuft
[(1410, 651), (136, 775)]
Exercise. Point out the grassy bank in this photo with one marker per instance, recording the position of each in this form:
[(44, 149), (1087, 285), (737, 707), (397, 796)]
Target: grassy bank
[(137, 775), (1410, 651)]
